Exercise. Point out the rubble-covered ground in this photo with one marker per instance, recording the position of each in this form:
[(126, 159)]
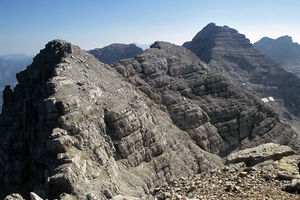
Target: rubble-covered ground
[(245, 183)]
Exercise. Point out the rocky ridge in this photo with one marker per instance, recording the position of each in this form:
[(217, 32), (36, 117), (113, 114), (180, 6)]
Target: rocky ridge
[(199, 100), (76, 128), (115, 52), (69, 127), (231, 53)]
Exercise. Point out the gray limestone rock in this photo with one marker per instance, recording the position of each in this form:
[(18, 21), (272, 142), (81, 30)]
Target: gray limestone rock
[(193, 95), (78, 127), (74, 125), (259, 154)]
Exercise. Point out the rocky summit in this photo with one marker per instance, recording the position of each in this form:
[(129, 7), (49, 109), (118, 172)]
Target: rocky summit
[(231, 53), (115, 52), (75, 128)]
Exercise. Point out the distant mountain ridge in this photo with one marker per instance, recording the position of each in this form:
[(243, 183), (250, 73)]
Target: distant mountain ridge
[(115, 52), (282, 50), (10, 64)]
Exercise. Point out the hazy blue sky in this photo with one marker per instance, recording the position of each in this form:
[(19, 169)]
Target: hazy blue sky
[(27, 25)]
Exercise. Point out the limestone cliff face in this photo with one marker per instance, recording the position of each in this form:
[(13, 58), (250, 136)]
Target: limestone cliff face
[(231, 53), (75, 125)]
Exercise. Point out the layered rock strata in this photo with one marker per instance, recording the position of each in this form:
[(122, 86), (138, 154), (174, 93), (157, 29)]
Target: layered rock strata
[(77, 128), (219, 116), (231, 53), (74, 125)]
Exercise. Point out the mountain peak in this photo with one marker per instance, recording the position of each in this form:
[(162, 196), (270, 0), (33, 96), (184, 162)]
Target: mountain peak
[(210, 25), (285, 38), (53, 51), (211, 36), (236, 57), (59, 45), (283, 51), (211, 29)]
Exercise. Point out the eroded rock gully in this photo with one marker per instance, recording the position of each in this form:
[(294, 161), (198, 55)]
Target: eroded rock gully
[(76, 128)]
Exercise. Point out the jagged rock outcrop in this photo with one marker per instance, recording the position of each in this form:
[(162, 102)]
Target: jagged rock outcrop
[(115, 52), (77, 128), (231, 54), (283, 51)]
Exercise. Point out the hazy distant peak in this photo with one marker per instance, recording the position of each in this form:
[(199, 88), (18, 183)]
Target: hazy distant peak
[(115, 52), (266, 39), (283, 51), (120, 45), (212, 29), (285, 38)]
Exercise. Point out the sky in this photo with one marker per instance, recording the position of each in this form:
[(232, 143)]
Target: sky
[(27, 25)]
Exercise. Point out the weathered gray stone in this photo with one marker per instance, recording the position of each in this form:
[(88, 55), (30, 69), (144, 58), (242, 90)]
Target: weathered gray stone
[(60, 144), (259, 154)]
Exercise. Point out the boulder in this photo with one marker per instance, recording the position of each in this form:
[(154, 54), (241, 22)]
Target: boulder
[(260, 154)]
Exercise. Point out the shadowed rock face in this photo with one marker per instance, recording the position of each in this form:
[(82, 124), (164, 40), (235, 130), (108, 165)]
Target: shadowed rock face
[(115, 52), (230, 53), (76, 125), (283, 51)]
